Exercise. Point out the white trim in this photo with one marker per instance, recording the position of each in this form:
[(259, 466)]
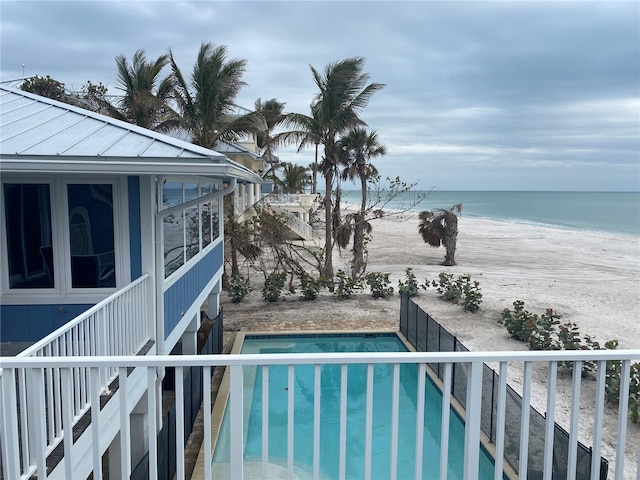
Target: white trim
[(184, 268)]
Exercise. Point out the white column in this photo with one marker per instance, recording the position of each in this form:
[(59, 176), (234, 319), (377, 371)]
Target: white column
[(190, 337), (258, 193), (213, 301), (243, 201), (251, 195)]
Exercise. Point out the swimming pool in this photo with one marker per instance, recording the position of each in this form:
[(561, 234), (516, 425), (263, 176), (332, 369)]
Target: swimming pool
[(330, 413)]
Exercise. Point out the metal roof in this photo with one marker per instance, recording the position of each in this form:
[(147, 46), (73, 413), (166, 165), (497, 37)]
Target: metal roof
[(40, 135)]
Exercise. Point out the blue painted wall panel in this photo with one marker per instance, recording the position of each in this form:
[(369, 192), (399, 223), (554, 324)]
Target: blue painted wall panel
[(30, 323), (135, 235), (181, 295)]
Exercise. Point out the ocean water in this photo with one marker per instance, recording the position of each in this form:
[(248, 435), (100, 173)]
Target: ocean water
[(608, 212)]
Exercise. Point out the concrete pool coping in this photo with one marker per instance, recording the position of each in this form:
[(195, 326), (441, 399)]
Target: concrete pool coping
[(220, 404)]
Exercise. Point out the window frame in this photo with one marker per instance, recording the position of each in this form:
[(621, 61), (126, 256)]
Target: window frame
[(63, 292)]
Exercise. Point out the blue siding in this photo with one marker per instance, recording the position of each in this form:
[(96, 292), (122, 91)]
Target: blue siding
[(135, 242), (30, 323), (181, 295)]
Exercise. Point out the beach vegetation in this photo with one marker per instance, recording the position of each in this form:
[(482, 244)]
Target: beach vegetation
[(356, 149), (379, 284), (310, 287), (273, 286), (343, 91), (344, 286), (238, 288), (45, 87), (146, 98), (294, 179), (440, 227), (461, 290), (410, 286)]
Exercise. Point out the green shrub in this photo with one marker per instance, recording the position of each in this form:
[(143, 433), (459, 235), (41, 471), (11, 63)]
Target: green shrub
[(446, 287), (379, 284), (544, 335), (310, 287), (411, 287), (345, 287), (273, 286), (471, 295), (520, 323), (238, 288)]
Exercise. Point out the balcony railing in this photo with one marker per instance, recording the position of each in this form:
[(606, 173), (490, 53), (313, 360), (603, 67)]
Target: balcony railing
[(34, 367), (35, 401)]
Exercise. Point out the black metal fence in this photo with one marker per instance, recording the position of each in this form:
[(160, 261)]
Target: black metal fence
[(167, 463), (427, 335)]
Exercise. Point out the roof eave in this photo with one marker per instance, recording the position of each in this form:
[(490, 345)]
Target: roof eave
[(135, 166)]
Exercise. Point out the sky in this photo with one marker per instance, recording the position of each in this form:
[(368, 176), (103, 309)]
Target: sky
[(479, 95)]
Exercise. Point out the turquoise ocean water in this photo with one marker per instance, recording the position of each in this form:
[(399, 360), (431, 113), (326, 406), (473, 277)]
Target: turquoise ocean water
[(608, 212)]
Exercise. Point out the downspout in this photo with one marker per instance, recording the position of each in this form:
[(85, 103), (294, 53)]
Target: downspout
[(161, 214)]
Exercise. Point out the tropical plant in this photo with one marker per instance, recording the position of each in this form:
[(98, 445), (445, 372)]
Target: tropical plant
[(440, 227), (310, 287), (410, 287), (357, 148), (379, 284), (343, 93), (273, 286), (346, 287), (206, 104), (273, 116), (294, 178), (45, 87), (145, 99), (238, 288)]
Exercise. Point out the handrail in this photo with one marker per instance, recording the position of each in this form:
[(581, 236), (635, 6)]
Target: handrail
[(69, 325)]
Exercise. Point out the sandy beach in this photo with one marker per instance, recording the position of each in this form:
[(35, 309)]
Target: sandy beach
[(591, 279)]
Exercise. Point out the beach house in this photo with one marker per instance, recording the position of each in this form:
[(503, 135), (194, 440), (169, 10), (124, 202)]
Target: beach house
[(112, 241)]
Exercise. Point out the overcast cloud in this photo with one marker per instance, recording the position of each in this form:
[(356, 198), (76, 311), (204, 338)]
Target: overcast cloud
[(479, 96)]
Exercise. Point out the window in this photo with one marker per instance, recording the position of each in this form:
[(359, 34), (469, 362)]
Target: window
[(91, 235), (29, 239), (187, 232), (61, 237)]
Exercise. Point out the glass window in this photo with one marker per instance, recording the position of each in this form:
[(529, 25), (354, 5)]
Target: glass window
[(173, 231), (91, 235), (29, 243)]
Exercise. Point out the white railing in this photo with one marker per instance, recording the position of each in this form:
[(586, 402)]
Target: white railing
[(34, 367), (297, 225), (117, 326)]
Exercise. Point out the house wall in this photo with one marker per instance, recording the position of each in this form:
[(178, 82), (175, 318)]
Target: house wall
[(181, 295), (29, 323)]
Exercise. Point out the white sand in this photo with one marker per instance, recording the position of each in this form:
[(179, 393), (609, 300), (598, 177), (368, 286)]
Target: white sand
[(589, 278)]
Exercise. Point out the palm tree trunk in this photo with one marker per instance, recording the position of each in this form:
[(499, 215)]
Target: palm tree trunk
[(314, 188), (328, 240), (357, 265), (450, 239)]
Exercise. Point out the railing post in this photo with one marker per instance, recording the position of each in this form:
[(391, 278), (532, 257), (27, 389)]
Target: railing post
[(9, 424), (235, 415), (36, 424), (472, 420)]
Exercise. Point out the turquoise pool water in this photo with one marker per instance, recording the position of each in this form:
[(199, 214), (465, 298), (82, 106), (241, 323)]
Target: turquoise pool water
[(330, 413)]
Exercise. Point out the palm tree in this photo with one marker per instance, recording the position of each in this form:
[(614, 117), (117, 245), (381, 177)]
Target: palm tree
[(343, 92), (272, 112), (358, 147), (294, 178), (145, 101), (440, 227), (206, 104)]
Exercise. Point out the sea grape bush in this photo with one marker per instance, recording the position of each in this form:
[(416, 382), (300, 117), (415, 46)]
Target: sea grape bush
[(461, 290), (410, 287), (379, 284), (273, 286), (310, 287), (346, 287), (238, 288)]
